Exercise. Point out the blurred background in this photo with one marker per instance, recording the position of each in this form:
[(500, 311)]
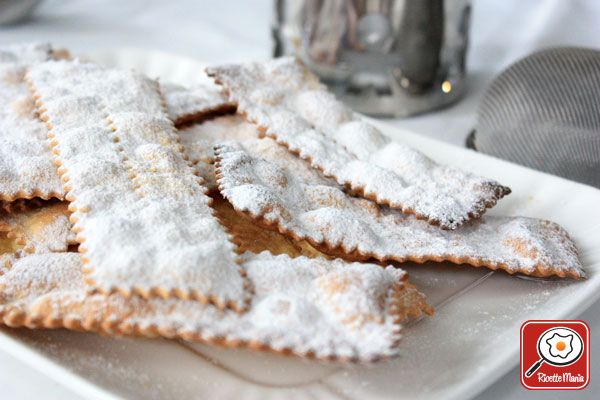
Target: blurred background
[(499, 34)]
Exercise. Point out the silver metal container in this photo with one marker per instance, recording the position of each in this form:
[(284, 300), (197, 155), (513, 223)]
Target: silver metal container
[(14, 11), (381, 57)]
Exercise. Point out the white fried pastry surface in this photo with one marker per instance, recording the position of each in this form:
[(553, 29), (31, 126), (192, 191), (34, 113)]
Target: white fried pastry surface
[(317, 308), (250, 236), (141, 214), (291, 106), (188, 105), (310, 307), (40, 229), (26, 169), (257, 182), (199, 140)]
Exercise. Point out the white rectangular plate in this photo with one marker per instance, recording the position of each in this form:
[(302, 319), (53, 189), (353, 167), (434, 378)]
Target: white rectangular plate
[(471, 341)]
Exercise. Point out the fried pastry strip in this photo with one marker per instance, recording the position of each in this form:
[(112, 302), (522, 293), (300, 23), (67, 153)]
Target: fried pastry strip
[(316, 308), (140, 212), (195, 104), (26, 169), (258, 183), (40, 228), (289, 105)]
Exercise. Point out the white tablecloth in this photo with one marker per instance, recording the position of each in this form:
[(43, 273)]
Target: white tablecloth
[(229, 31)]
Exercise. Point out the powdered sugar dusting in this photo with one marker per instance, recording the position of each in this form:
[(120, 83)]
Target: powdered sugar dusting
[(329, 309), (282, 97), (200, 139), (143, 219), (185, 105), (26, 168), (259, 183), (41, 229)]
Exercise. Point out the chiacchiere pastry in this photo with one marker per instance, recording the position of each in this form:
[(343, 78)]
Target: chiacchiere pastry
[(34, 227), (39, 228), (143, 220), (258, 181), (156, 234), (252, 237), (199, 140), (195, 104), (312, 307), (393, 237), (26, 169), (140, 212), (290, 105), (316, 308)]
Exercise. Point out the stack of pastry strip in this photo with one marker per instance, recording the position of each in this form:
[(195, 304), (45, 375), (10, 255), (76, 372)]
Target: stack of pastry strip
[(279, 191), (235, 246), (125, 175), (152, 247), (289, 104), (310, 307), (26, 169), (258, 182)]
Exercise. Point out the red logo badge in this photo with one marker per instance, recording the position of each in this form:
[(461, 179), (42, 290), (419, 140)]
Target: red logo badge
[(555, 355)]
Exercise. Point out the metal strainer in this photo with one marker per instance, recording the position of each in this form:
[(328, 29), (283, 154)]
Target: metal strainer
[(544, 112)]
